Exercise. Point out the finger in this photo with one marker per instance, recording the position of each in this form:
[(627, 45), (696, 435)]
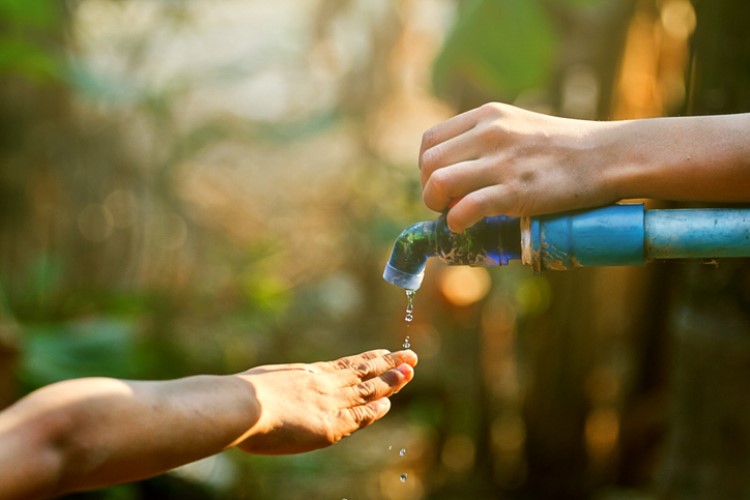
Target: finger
[(358, 362), (405, 356), (374, 363), (383, 386), (364, 415), (457, 149), (497, 199), (450, 183), (448, 129)]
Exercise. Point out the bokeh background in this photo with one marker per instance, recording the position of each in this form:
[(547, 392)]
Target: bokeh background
[(196, 186)]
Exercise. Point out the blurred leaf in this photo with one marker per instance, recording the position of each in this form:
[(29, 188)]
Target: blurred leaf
[(29, 13), (22, 57), (498, 47), (103, 347), (21, 52), (266, 291), (43, 281)]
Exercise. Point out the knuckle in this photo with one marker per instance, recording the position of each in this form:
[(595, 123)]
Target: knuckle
[(491, 132), (434, 196), (342, 363), (430, 158), (363, 415), (364, 368), (491, 110), (393, 359), (375, 354), (428, 139), (392, 379), (365, 391), (439, 183)]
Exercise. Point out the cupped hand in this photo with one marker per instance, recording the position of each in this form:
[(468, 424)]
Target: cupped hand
[(500, 159), (304, 407)]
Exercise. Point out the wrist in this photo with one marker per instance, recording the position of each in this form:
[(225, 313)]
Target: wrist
[(625, 159), (249, 407)]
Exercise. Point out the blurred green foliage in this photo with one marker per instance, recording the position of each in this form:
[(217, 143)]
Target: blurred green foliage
[(500, 48), (254, 239), (101, 347), (27, 40), (497, 50)]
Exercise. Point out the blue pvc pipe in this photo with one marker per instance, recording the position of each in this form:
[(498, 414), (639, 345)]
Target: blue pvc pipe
[(616, 235), (607, 236), (628, 235), (697, 233)]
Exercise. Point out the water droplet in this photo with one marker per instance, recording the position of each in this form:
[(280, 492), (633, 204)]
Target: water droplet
[(403, 477), (409, 306), (402, 452), (407, 342)]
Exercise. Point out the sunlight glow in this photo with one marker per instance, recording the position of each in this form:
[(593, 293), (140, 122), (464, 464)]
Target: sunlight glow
[(463, 286), (678, 18)]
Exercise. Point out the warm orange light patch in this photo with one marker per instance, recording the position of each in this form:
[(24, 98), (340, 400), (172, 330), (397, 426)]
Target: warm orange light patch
[(651, 79), (463, 285), (602, 432)]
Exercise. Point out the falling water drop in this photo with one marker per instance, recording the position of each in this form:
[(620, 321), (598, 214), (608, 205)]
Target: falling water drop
[(409, 306), (408, 318)]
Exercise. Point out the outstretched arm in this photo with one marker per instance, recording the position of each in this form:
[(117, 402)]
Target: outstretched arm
[(88, 433), (500, 159)]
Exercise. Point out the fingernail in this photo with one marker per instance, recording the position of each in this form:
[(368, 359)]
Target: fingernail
[(384, 403)]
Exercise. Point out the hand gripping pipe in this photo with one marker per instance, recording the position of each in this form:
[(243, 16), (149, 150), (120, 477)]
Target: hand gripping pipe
[(616, 235)]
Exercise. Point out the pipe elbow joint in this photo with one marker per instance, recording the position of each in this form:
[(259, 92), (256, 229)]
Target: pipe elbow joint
[(491, 242), (415, 244)]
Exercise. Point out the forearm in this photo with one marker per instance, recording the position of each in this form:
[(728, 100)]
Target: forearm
[(702, 159), (86, 433), (500, 159), (91, 432)]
